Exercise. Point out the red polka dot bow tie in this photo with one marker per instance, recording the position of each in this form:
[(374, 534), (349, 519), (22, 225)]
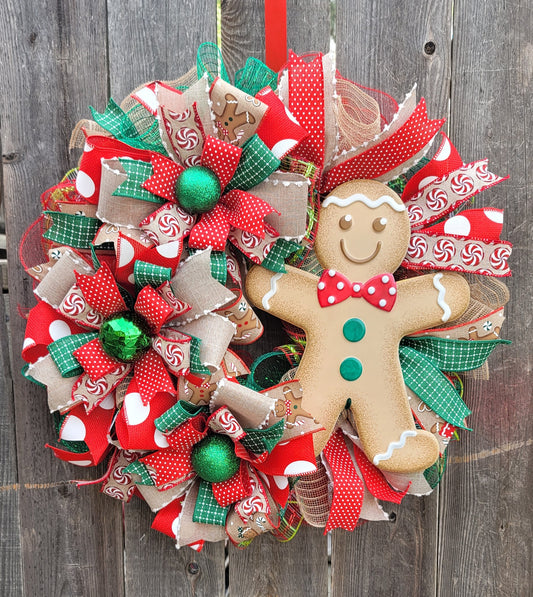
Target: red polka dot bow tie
[(379, 291)]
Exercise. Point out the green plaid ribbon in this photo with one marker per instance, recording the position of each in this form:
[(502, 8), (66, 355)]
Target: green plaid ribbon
[(275, 260), (254, 76), (209, 60), (207, 510), (454, 355), (72, 230), (138, 172), (114, 120), (141, 470), (257, 163), (149, 274), (195, 362), (178, 414), (61, 352), (432, 387), (259, 440)]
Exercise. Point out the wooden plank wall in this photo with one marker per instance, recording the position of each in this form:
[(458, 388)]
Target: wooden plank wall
[(473, 535)]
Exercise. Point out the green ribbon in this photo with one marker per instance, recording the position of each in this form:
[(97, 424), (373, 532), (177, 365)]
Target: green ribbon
[(423, 360), (149, 274), (71, 446), (259, 440), (209, 60), (254, 76), (275, 260), (195, 364), (178, 414), (120, 125), (206, 509), (139, 469), (61, 352), (72, 230), (257, 163), (138, 172)]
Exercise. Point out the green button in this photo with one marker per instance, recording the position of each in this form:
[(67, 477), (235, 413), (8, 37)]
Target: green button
[(351, 369), (354, 329)]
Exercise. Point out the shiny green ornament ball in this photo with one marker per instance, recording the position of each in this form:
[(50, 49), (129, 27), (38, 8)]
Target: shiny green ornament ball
[(214, 458), (197, 189), (125, 336)]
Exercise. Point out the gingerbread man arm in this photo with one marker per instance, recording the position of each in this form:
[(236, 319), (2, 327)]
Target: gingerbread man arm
[(288, 296), (449, 296)]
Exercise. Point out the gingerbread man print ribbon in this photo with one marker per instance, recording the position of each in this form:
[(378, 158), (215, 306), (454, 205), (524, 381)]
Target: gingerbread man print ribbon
[(334, 287)]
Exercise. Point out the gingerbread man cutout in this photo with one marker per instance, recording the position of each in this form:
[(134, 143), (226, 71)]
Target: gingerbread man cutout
[(229, 121), (354, 318)]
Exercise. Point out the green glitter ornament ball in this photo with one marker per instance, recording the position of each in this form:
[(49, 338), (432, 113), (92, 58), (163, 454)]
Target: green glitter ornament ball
[(214, 458), (125, 336), (197, 189)]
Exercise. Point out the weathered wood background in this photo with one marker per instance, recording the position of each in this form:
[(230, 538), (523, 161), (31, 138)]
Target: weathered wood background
[(473, 62)]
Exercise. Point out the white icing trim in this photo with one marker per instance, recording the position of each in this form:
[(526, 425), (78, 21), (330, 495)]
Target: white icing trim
[(272, 291), (440, 299), (394, 446), (359, 197)]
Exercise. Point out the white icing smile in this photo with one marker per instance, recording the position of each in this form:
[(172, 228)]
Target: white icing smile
[(353, 259)]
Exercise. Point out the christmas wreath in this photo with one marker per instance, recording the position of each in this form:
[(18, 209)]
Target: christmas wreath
[(195, 190)]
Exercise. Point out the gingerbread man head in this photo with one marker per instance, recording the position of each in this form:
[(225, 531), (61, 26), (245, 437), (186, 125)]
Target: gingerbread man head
[(363, 230)]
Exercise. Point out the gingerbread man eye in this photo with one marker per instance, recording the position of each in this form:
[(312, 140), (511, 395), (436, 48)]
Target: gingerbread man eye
[(346, 222), (379, 224)]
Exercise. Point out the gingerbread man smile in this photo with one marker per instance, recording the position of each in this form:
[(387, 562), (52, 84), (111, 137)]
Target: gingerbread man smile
[(353, 259)]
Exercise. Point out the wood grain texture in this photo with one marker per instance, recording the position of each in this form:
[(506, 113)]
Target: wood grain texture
[(10, 552), (267, 568), (389, 558), (486, 510), (270, 569), (381, 45), (54, 58), (154, 567), (155, 40)]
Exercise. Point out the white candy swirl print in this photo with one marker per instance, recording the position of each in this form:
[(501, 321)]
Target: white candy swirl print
[(472, 254), (73, 305), (187, 138), (444, 250), (417, 248), (498, 258), (415, 213), (462, 184), (437, 199)]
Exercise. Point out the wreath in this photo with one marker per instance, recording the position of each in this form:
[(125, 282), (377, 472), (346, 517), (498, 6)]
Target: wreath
[(195, 198)]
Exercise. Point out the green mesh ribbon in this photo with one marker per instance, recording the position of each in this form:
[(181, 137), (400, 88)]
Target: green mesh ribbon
[(257, 163), (141, 470), (207, 510), (398, 184), (254, 76), (209, 60), (275, 260), (259, 440), (75, 447), (138, 172), (126, 127), (178, 414), (195, 362), (69, 229), (61, 352), (434, 473), (424, 359), (114, 120), (267, 370), (149, 274)]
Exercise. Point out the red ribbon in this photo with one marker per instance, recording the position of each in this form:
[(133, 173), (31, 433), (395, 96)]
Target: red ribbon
[(275, 33)]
